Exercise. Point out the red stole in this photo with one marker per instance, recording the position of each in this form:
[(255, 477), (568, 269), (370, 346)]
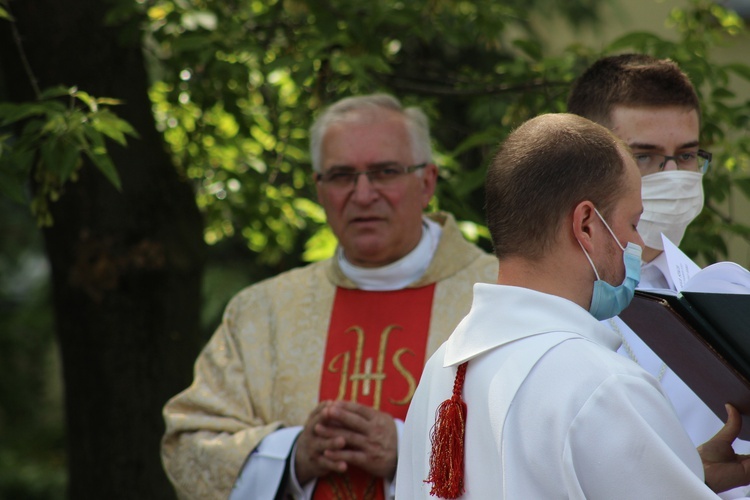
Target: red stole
[(374, 355)]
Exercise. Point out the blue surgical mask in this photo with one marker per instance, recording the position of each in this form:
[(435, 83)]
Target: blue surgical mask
[(608, 301)]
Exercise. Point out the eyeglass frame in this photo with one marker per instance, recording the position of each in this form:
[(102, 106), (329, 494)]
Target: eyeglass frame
[(701, 153), (405, 170)]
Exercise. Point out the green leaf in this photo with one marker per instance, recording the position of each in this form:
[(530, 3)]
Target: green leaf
[(741, 70), (744, 185), (99, 156), (722, 93), (60, 156), (4, 14), (489, 137), (15, 166), (109, 101), (192, 42), (635, 39), (531, 48), (54, 92), (113, 127), (104, 163), (320, 246), (101, 126), (49, 154), (68, 160), (11, 113), (469, 181), (57, 123)]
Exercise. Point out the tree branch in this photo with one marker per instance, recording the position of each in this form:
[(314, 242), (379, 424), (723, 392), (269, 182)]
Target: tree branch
[(22, 55)]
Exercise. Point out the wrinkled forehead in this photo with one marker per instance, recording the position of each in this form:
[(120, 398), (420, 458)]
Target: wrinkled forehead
[(367, 140), (368, 115)]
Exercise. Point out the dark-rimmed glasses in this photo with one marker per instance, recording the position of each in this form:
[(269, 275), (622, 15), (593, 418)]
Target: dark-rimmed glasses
[(381, 176), (650, 163)]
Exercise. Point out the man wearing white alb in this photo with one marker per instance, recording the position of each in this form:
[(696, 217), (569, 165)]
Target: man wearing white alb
[(652, 105), (528, 398)]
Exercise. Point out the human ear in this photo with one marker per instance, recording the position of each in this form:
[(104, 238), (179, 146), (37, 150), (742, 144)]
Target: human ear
[(583, 217), (429, 183)]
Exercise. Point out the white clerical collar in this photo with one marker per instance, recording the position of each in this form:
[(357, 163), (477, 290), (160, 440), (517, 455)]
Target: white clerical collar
[(655, 274), (399, 274)]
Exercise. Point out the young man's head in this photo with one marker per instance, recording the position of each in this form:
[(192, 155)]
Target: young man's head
[(630, 81), (651, 105), (563, 201)]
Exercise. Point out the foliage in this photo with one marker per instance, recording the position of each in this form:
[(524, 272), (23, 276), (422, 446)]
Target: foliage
[(236, 89), (43, 140), (237, 86), (701, 28), (32, 461), (46, 138), (53, 137)]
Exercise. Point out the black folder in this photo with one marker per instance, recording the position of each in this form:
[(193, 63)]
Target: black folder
[(704, 338)]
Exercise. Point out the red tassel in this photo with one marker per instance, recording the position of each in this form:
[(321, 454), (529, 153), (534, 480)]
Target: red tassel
[(447, 438)]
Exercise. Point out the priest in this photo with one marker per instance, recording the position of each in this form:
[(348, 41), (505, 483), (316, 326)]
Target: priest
[(303, 388)]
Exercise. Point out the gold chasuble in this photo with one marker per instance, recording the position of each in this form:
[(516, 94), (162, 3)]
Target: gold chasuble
[(374, 356)]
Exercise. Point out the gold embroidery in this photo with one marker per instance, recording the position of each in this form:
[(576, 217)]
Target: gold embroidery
[(363, 376), (406, 374), (344, 371)]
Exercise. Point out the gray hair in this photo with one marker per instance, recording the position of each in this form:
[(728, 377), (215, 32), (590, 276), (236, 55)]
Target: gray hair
[(350, 109)]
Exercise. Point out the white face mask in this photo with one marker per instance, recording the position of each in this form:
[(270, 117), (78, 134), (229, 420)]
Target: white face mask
[(671, 200)]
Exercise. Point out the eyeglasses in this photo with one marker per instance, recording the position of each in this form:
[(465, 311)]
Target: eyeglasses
[(650, 163), (384, 176)]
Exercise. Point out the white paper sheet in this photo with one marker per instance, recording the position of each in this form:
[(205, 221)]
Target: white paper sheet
[(722, 277)]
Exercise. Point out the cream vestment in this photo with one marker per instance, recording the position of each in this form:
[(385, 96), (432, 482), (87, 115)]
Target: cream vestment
[(261, 371)]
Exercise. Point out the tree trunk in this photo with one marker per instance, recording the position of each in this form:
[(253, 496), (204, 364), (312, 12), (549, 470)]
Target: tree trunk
[(126, 266)]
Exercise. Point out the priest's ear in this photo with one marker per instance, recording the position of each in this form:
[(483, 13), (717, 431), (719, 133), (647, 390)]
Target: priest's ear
[(429, 183)]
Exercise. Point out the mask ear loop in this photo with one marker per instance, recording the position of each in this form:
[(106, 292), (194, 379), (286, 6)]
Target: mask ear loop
[(608, 229), (589, 258)]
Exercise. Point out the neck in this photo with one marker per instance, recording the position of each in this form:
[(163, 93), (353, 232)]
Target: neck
[(546, 275), (400, 273)]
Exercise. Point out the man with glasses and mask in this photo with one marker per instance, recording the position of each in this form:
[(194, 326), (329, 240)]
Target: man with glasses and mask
[(528, 399), (653, 107), (303, 388)]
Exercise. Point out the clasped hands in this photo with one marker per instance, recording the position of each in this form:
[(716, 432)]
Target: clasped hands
[(339, 434)]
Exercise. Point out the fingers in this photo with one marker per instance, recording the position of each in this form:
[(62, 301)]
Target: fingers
[(354, 416), (357, 424), (380, 462), (351, 406), (310, 460), (371, 438), (352, 439), (331, 464), (342, 433), (732, 428)]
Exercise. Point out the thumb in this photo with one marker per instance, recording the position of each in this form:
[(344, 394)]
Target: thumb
[(731, 428)]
